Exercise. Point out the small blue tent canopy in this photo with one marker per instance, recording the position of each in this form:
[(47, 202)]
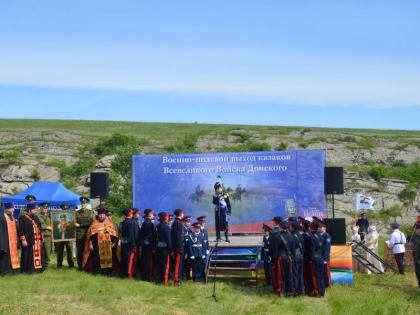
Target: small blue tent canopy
[(53, 192)]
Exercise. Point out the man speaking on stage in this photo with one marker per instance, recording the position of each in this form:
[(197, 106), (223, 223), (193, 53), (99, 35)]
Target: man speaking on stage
[(222, 211)]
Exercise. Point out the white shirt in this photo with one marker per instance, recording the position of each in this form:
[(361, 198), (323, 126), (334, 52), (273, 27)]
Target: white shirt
[(397, 241)]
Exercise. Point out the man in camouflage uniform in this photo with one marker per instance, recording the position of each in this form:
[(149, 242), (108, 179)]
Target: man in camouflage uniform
[(68, 245), (46, 228), (416, 250), (83, 221)]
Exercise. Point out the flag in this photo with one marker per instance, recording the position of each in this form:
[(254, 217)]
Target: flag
[(364, 202)]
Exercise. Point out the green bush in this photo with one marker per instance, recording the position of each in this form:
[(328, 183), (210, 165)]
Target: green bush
[(12, 157), (243, 136), (282, 146), (399, 163), (35, 175), (108, 144), (366, 143), (348, 139), (409, 193)]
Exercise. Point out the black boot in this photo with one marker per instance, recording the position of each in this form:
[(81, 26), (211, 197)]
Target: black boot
[(227, 237)]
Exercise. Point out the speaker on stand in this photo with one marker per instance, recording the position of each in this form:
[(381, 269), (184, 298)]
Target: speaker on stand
[(99, 186), (334, 184)]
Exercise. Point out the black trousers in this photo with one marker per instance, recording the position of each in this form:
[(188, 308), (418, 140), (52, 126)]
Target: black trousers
[(298, 281), (268, 272), (146, 263), (317, 278), (282, 276), (220, 220), (162, 265), (198, 265)]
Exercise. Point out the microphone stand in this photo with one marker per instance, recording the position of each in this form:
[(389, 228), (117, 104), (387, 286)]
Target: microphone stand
[(215, 271)]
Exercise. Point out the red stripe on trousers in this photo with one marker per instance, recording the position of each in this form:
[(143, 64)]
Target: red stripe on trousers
[(178, 258), (293, 282), (316, 292), (167, 269), (329, 274), (273, 269), (130, 264), (279, 276)]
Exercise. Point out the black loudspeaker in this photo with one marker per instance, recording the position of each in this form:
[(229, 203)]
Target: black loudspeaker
[(99, 185), (334, 181), (337, 229)]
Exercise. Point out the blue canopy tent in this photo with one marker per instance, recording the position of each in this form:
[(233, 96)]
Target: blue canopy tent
[(53, 192)]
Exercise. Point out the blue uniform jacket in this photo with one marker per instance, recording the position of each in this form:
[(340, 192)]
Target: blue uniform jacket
[(299, 244), (265, 254), (326, 249), (196, 245), (205, 240)]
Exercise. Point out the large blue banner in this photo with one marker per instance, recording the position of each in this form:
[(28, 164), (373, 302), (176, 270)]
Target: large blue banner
[(261, 185)]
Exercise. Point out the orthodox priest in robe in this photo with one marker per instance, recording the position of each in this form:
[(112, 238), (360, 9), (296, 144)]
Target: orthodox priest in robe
[(30, 236), (9, 254), (99, 254)]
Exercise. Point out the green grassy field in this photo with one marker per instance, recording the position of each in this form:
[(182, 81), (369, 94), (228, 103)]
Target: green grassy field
[(70, 291), (161, 130)]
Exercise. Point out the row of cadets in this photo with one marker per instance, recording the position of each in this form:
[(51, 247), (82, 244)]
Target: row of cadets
[(281, 253), (187, 259), (196, 251), (178, 237), (163, 248), (146, 242), (128, 244)]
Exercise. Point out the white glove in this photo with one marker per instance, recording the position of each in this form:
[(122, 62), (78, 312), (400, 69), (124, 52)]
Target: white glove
[(192, 257), (207, 252), (204, 256), (325, 262)]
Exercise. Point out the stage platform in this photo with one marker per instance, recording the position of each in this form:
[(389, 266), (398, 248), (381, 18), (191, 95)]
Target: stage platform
[(241, 259), (238, 241)]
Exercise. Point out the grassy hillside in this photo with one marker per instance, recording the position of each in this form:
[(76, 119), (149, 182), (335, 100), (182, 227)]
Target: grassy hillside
[(158, 130)]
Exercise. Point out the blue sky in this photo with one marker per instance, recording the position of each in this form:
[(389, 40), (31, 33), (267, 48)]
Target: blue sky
[(313, 63)]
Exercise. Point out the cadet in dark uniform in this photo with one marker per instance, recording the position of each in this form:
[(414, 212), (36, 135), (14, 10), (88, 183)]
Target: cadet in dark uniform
[(146, 242), (281, 253), (326, 251), (68, 245), (83, 221), (202, 220), (196, 252), (128, 244), (163, 248), (316, 263), (298, 281), (222, 212), (46, 228), (187, 259), (307, 235), (178, 235), (265, 255)]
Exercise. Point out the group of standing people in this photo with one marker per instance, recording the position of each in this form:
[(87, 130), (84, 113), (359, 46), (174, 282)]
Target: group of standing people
[(172, 249), (137, 249), (296, 255)]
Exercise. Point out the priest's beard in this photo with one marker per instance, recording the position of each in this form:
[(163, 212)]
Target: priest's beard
[(101, 220)]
